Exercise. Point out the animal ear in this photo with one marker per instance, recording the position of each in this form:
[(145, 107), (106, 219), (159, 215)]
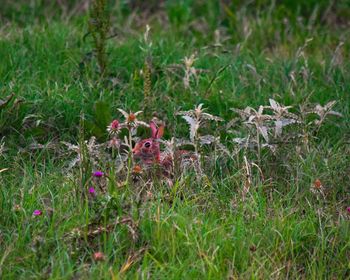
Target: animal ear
[(160, 131), (154, 129), (157, 132)]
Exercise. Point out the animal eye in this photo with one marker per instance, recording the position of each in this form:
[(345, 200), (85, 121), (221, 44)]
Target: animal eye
[(147, 144)]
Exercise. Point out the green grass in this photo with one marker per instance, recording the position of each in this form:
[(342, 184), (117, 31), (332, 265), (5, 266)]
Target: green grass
[(281, 230)]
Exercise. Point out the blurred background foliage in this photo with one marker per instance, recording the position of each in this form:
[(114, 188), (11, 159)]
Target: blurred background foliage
[(324, 11)]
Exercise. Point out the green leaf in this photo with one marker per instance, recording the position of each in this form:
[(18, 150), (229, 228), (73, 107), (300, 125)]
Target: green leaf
[(102, 114), (94, 130)]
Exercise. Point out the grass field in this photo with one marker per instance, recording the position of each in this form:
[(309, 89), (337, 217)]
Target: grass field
[(276, 208)]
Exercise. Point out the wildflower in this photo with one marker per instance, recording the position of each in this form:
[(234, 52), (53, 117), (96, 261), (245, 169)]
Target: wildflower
[(37, 213), (199, 114), (92, 191), (137, 169), (114, 143), (131, 120), (317, 187), (114, 127), (348, 210), (318, 184), (98, 256), (136, 173), (98, 174)]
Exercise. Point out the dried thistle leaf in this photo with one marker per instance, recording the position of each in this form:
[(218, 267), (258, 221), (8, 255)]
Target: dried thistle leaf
[(194, 125), (278, 128), (240, 141), (224, 149), (280, 110), (244, 114), (263, 132), (125, 114), (207, 139), (207, 116), (274, 105), (199, 114), (335, 113), (182, 142)]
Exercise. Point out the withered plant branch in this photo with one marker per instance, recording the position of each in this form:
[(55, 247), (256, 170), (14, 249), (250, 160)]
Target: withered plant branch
[(91, 231)]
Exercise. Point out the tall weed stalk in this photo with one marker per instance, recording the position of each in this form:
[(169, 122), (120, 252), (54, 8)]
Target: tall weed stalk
[(99, 26)]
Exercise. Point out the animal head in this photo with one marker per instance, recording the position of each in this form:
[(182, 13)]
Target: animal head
[(148, 150)]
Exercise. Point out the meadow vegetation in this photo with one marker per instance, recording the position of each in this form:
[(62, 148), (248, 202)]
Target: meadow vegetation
[(245, 170)]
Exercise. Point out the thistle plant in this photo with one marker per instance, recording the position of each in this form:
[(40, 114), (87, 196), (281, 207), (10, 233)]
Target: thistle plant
[(86, 150), (322, 113), (312, 127), (186, 71), (131, 123), (259, 121), (197, 118), (271, 126), (269, 123), (190, 70), (281, 116)]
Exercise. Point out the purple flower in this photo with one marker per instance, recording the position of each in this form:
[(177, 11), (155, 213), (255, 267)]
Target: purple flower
[(348, 209), (92, 190), (37, 212), (97, 174)]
